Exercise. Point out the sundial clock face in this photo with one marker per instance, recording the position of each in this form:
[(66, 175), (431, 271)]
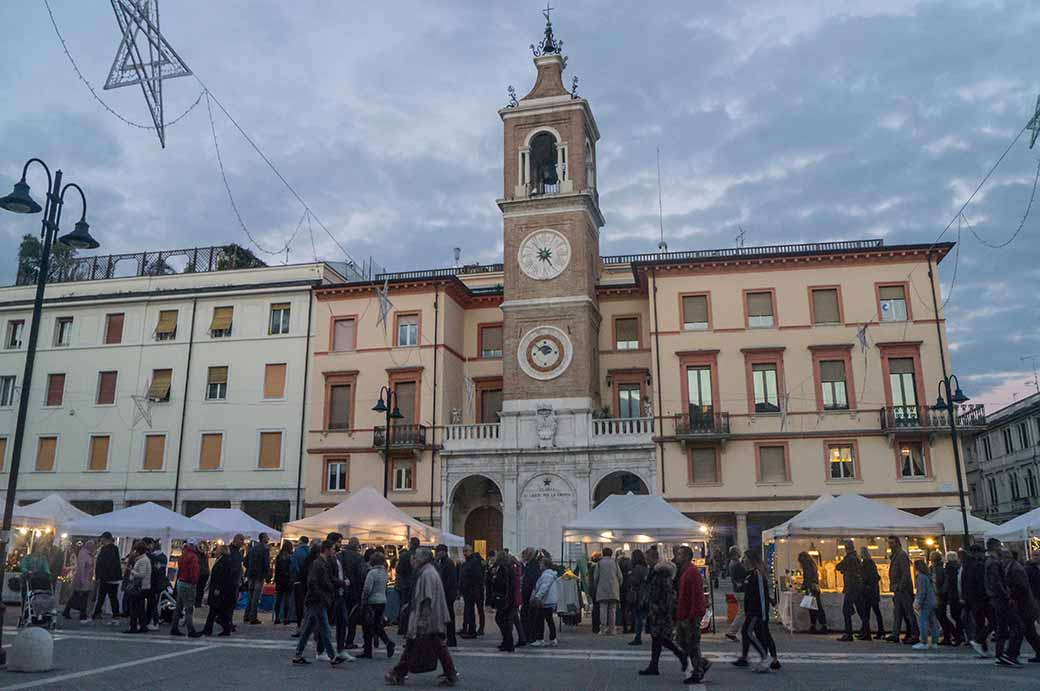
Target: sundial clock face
[(544, 353), (544, 254)]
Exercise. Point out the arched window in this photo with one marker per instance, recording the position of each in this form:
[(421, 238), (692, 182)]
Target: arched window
[(545, 164)]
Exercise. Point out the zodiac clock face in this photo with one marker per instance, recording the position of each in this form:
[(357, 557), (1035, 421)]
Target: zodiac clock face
[(544, 353), (544, 254)]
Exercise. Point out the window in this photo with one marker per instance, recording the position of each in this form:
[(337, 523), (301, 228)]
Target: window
[(220, 325), (114, 328), (46, 451), (154, 451), (55, 389), (904, 390), (344, 335), (7, 390), (629, 400), (490, 405), (274, 381), (826, 306), (404, 475), (704, 466), (279, 319), (993, 498), (404, 392), (490, 338), (911, 460), (211, 451), (216, 384), (1016, 492), (1023, 435), (98, 459), (841, 461), (339, 406), (1031, 487), (336, 475), (166, 327), (1009, 444), (760, 310), (698, 392), (159, 389), (62, 331), (772, 464), (987, 448), (892, 303), (626, 333), (763, 377), (270, 450), (13, 340), (407, 330), (106, 388), (832, 379), (695, 314), (3, 452)]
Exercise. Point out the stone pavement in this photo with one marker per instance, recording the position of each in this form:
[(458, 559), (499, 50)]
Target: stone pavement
[(97, 656)]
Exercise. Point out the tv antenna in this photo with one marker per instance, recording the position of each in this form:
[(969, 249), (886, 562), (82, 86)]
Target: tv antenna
[(662, 246), (740, 236), (1036, 375)]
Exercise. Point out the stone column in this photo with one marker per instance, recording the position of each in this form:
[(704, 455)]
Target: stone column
[(510, 508), (742, 536), (236, 504)]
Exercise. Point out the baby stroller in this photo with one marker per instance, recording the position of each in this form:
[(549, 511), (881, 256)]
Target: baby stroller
[(39, 606)]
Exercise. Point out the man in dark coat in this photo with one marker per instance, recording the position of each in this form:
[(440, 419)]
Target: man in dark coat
[(258, 572), (531, 572), (449, 574), (354, 572), (471, 583), (405, 581), (1005, 623), (902, 585), (204, 552), (321, 592), (852, 575), (224, 580), (1024, 606), (109, 574), (950, 597), (973, 593)]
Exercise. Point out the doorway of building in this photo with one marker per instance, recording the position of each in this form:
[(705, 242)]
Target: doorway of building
[(621, 482), (484, 529), (476, 511)]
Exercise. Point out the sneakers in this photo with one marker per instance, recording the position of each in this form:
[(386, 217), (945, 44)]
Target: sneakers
[(322, 657), (761, 667), (552, 643), (774, 665), (390, 649), (740, 662), (979, 650), (537, 644), (733, 637), (300, 660), (649, 672), (921, 646), (340, 659)]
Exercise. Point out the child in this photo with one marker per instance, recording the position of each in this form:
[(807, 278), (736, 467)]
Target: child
[(925, 604)]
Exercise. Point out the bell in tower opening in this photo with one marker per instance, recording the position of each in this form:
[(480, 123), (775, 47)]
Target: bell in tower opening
[(545, 159)]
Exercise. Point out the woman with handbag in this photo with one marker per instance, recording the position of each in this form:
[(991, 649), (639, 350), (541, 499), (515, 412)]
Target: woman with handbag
[(544, 600), (139, 582), (373, 603), (811, 588)]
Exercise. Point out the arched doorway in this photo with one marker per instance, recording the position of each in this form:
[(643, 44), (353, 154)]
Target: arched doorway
[(476, 510), (621, 482)]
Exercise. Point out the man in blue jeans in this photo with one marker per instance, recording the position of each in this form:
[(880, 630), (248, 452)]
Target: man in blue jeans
[(320, 595), (258, 570)]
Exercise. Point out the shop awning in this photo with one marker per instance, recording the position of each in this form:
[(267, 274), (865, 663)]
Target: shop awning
[(635, 518), (853, 515), (1018, 529), (51, 511), (145, 520), (234, 521), (953, 522)]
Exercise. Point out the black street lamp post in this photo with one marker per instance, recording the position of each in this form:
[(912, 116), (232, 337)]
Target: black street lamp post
[(392, 413), (20, 202)]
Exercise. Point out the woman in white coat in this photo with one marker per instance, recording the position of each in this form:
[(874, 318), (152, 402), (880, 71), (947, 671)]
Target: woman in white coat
[(544, 598)]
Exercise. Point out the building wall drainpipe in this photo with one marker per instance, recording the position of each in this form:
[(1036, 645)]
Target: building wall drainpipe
[(303, 413), (184, 408), (660, 404), (433, 451)]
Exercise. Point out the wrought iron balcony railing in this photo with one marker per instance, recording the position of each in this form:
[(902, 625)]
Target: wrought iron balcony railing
[(930, 419), (701, 424), (401, 437)]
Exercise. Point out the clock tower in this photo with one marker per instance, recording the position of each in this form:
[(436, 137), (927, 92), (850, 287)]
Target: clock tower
[(551, 221)]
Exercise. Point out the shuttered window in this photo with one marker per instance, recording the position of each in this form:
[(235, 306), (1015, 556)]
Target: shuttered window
[(832, 383), (166, 328), (772, 464), (220, 325), (106, 391), (45, 452), (217, 383), (491, 341), (55, 389), (154, 451), (760, 309), (114, 328), (405, 392), (343, 334), (703, 467), (339, 406), (274, 381), (826, 309), (490, 405), (3, 452), (626, 333), (209, 451), (270, 450), (98, 453), (159, 390), (695, 312)]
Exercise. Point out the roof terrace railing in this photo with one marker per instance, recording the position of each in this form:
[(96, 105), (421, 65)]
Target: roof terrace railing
[(738, 252)]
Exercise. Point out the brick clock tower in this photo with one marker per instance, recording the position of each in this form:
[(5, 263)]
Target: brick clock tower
[(551, 221)]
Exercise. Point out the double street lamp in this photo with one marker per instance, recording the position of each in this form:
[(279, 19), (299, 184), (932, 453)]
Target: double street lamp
[(955, 397), (20, 201), (389, 407)]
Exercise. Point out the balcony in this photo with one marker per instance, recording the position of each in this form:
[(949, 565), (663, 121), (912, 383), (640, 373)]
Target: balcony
[(486, 435), (401, 437), (926, 419), (699, 425), (620, 431)]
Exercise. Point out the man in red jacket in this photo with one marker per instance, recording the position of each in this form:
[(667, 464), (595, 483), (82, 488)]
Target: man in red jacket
[(689, 613), (187, 582)]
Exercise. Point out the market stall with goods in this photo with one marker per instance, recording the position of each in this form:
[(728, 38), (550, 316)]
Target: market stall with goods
[(953, 526), (1024, 529), (233, 522)]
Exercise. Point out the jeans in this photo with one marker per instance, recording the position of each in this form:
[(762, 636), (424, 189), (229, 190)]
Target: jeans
[(546, 616), (473, 608), (151, 614), (903, 611), (186, 604), (817, 617), (316, 621), (400, 670), (299, 592), (872, 603), (137, 611), (220, 615), (659, 642), (640, 620), (1009, 630), (504, 618), (338, 615), (928, 623), (281, 606), (374, 630), (688, 638), (111, 591), (982, 614), (607, 612), (521, 630), (852, 604), (749, 637), (78, 602), (256, 590)]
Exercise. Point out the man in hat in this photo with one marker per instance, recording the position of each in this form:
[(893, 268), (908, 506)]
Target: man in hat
[(187, 584)]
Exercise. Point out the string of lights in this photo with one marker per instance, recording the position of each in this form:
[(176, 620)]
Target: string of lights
[(1021, 224)]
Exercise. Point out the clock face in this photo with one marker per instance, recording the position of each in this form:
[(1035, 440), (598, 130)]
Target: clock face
[(544, 254), (544, 353)]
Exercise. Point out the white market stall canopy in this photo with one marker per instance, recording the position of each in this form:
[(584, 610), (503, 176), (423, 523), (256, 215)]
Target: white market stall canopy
[(234, 521), (1018, 529), (852, 515), (370, 518), (145, 520), (52, 510), (638, 518), (950, 517)]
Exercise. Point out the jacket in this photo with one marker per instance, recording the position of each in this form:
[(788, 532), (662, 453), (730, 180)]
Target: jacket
[(871, 579), (283, 578), (852, 574), (471, 577), (373, 591), (235, 562), (449, 574), (429, 605), (691, 606), (899, 578), (938, 574), (810, 578), (1033, 573), (84, 578), (405, 576), (660, 599), (949, 592), (188, 566), (608, 580), (756, 595), (299, 556), (223, 584), (500, 587), (159, 563), (106, 564), (973, 580), (142, 570), (531, 574), (258, 562), (926, 597), (637, 585), (545, 589), (518, 574), (320, 590), (996, 583), (354, 571), (738, 575), (1021, 594)]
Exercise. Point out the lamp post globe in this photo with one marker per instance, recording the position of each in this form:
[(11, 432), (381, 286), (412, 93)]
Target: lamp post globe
[(20, 201)]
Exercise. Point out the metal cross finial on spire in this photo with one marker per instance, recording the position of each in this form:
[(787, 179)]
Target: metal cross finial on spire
[(549, 43), (548, 8)]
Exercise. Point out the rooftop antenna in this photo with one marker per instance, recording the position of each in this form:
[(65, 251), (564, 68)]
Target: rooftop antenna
[(1036, 375), (740, 236), (457, 251), (662, 246)]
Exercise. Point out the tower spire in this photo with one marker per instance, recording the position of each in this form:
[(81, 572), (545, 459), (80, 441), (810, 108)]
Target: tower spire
[(549, 44)]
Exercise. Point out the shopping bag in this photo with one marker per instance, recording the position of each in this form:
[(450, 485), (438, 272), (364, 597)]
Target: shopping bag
[(423, 654), (808, 602)]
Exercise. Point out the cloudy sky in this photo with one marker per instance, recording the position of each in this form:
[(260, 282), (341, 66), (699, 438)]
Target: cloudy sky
[(802, 121)]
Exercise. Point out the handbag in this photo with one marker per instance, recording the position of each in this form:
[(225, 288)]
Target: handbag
[(422, 657), (133, 587), (809, 602)]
